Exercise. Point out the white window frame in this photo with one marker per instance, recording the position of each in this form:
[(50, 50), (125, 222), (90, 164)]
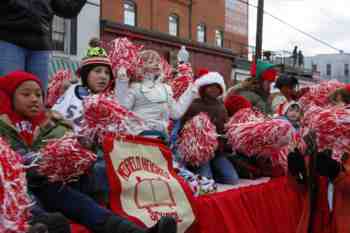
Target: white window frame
[(201, 33), (65, 31), (174, 27), (130, 13), (219, 38)]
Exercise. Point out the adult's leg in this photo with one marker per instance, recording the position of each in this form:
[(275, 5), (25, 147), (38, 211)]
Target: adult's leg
[(37, 62), (12, 58), (224, 171)]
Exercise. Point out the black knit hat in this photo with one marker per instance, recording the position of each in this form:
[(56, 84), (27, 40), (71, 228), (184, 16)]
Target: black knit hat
[(286, 80)]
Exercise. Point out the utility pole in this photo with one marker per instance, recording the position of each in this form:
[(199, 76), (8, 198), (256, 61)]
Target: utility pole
[(259, 30)]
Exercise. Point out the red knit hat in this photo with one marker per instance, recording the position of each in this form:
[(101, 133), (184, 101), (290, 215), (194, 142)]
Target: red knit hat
[(347, 88), (234, 103), (8, 86), (269, 75), (201, 72), (10, 82)]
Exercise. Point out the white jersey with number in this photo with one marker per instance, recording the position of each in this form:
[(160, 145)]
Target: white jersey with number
[(70, 105)]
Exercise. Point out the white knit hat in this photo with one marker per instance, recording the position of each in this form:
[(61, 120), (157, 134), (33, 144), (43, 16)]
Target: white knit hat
[(212, 78)]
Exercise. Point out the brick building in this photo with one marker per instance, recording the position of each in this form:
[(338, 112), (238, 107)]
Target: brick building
[(214, 32)]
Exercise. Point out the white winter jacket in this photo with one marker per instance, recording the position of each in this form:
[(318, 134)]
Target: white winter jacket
[(153, 102)]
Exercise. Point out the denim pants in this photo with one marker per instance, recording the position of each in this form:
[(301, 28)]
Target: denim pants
[(14, 58), (75, 205), (220, 169)]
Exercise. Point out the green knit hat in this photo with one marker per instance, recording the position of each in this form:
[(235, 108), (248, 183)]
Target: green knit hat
[(263, 70), (95, 55)]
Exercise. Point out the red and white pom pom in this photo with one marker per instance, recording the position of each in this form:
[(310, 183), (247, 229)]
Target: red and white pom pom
[(64, 159), (179, 85), (331, 127), (198, 140), (123, 53), (14, 199), (246, 115), (319, 94), (56, 86), (262, 138), (103, 114)]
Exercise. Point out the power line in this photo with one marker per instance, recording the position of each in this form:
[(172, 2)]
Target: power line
[(294, 27)]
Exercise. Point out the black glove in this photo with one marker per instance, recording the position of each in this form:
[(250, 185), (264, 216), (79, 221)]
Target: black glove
[(55, 222), (326, 166), (296, 165)]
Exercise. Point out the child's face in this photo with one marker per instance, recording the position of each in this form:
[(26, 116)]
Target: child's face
[(288, 91), (28, 99), (212, 91), (98, 79), (294, 113), (266, 86)]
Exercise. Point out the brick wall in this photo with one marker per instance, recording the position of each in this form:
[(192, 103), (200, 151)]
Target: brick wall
[(154, 14)]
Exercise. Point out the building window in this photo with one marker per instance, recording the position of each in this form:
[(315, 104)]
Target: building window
[(314, 67), (346, 70), (174, 25), (201, 33), (63, 35), (129, 13), (329, 70), (219, 38)]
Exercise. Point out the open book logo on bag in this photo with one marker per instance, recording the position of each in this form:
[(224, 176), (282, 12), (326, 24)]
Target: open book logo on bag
[(151, 194)]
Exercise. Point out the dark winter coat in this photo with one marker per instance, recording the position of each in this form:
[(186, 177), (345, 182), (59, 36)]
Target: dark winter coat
[(27, 23)]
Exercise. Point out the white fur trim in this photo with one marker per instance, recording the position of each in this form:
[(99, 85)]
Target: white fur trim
[(211, 78)]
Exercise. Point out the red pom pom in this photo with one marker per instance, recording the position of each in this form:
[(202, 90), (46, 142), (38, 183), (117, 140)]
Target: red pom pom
[(247, 115), (269, 138), (64, 159), (179, 85), (103, 114), (198, 140), (234, 103), (123, 53), (14, 199), (56, 86), (331, 127), (318, 94)]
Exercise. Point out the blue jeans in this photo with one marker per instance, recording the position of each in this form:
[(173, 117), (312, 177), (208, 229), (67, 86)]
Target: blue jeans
[(15, 58), (220, 169)]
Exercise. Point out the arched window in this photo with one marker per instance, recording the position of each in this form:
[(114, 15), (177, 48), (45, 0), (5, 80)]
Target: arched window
[(201, 33), (219, 38), (174, 25), (129, 13)]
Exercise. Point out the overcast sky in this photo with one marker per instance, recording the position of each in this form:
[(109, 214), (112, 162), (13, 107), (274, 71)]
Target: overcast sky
[(327, 20)]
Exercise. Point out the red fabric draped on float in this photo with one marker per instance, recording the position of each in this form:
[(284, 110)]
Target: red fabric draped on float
[(273, 207)]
